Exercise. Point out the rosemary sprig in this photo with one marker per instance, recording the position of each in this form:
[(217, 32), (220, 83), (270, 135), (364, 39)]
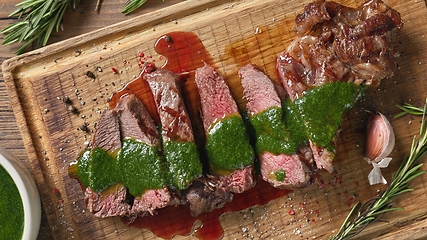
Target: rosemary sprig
[(38, 18), (132, 5), (409, 109), (361, 215), (41, 17)]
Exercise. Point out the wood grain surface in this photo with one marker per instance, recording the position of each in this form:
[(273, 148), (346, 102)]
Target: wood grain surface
[(234, 32)]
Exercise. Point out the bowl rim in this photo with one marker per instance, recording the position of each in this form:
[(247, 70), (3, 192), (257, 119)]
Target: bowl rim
[(28, 190)]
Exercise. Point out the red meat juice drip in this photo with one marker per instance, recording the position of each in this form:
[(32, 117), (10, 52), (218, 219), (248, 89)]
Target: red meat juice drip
[(172, 220), (185, 53), (141, 89)]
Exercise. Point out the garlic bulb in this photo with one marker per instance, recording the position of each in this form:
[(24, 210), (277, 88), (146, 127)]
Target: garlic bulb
[(380, 141)]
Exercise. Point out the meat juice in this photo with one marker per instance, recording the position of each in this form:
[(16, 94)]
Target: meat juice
[(184, 53), (172, 220)]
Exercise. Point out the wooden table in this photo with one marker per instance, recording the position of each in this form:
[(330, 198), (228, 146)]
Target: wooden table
[(83, 20), (77, 21)]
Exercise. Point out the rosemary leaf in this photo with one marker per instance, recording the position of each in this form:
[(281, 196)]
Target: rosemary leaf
[(37, 18), (408, 170), (409, 109), (132, 5)]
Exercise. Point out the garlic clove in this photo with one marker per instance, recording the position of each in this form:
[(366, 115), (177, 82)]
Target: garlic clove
[(380, 138), (375, 176)]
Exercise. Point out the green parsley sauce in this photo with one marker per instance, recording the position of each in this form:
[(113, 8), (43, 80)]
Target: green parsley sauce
[(102, 168), (271, 132), (11, 208), (316, 116), (322, 108), (183, 163), (280, 175), (137, 166), (227, 145)]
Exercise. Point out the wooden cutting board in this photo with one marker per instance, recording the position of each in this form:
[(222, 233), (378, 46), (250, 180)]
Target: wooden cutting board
[(233, 32)]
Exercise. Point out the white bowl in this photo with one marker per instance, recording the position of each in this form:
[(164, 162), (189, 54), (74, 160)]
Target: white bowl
[(27, 188)]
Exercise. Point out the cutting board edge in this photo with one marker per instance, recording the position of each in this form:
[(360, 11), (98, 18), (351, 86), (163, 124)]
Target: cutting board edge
[(27, 140), (144, 21)]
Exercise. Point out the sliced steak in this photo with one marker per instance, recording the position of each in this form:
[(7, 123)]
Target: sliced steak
[(202, 196), (179, 147), (227, 144), (279, 168), (137, 125), (135, 121), (174, 118), (338, 44), (107, 133), (151, 200), (112, 201)]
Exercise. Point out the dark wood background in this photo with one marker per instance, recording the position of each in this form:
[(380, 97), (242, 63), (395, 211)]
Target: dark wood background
[(77, 21)]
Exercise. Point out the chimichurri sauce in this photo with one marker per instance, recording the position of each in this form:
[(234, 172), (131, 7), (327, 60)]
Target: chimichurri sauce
[(321, 109), (316, 116), (11, 208), (227, 145), (137, 166), (271, 132), (183, 163), (102, 168)]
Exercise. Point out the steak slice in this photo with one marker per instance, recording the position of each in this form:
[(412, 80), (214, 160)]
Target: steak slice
[(230, 155), (338, 44), (107, 133), (280, 169), (112, 201), (135, 121), (205, 196), (179, 147), (137, 124)]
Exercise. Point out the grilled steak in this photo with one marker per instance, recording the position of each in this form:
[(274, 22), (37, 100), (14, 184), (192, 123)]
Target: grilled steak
[(112, 201), (135, 121), (107, 133), (137, 124), (132, 169), (280, 169), (338, 44), (205, 196), (227, 146), (180, 150)]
